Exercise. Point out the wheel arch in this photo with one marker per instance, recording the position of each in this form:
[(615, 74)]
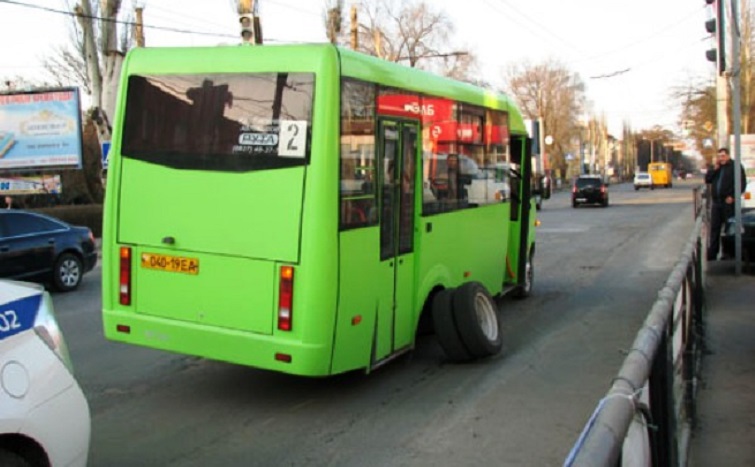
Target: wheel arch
[(435, 280), (25, 447)]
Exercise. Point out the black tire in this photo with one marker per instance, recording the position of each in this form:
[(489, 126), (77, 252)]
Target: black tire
[(525, 290), (11, 459), (445, 327), (477, 320), (67, 272), (574, 204)]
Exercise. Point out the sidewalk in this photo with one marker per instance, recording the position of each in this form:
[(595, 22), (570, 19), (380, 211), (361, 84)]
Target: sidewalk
[(725, 432)]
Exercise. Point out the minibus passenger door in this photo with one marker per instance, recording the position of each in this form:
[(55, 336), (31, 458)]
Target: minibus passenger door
[(397, 157)]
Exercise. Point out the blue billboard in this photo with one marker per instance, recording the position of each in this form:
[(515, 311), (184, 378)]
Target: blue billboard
[(40, 129)]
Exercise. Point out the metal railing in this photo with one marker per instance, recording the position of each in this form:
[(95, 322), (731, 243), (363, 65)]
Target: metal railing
[(655, 390)]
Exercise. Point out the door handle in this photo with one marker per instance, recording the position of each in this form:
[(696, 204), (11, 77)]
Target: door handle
[(5, 248), (51, 241)]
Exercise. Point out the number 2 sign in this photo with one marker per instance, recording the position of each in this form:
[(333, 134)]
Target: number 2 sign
[(293, 138)]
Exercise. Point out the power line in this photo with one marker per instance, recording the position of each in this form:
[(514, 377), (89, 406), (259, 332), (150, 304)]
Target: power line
[(662, 30), (116, 21), (190, 20), (611, 75), (560, 41)]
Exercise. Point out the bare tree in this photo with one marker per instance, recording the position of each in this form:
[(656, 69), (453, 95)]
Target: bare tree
[(550, 91), (66, 66), (404, 31), (93, 56), (746, 76), (334, 20)]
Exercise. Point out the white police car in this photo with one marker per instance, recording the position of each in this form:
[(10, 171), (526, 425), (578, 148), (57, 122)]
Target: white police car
[(44, 417)]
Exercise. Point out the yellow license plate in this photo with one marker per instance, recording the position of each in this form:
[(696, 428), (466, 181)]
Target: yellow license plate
[(170, 263)]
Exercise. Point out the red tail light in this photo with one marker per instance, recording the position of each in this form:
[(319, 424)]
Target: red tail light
[(603, 189), (124, 282), (574, 188), (285, 298)]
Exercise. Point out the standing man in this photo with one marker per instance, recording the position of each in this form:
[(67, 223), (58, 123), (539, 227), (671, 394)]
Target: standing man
[(721, 180), (8, 202)]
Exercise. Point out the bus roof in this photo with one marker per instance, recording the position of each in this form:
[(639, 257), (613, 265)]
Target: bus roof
[(306, 57)]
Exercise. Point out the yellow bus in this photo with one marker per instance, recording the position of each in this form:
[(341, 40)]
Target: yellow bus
[(660, 172)]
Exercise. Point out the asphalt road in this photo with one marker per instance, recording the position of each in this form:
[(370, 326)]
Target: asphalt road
[(597, 273)]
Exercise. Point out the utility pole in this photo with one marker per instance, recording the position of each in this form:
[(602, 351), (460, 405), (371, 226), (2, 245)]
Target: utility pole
[(354, 28), (736, 66), (139, 26), (104, 81)]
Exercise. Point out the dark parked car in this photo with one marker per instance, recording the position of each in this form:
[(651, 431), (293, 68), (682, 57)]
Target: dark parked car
[(40, 248), (748, 238), (589, 189)]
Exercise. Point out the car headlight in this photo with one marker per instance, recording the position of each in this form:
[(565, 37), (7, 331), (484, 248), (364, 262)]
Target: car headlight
[(48, 330)]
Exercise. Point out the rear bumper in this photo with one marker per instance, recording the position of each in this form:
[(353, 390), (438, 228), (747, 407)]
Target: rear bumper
[(218, 343), (589, 199)]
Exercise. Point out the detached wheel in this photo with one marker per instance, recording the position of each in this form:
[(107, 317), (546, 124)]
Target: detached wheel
[(524, 290), (67, 272), (445, 327), (477, 320)]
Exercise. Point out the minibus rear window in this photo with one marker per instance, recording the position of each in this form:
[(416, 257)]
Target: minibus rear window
[(222, 122)]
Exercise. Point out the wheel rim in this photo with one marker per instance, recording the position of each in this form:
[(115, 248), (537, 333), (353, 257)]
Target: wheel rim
[(486, 316), (69, 273)]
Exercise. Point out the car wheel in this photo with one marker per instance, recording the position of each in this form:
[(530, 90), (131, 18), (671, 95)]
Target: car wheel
[(445, 327), (11, 459), (636, 188), (574, 204), (67, 272), (477, 320)]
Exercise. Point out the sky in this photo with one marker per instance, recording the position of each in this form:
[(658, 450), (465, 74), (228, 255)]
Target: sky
[(630, 54)]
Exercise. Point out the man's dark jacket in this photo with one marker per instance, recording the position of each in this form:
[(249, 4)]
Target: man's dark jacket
[(726, 173)]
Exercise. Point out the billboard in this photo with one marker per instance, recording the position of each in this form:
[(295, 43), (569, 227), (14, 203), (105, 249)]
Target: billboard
[(39, 184), (40, 129)]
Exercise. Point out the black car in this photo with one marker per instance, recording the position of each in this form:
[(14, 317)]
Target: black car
[(40, 248), (589, 189), (748, 237)]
